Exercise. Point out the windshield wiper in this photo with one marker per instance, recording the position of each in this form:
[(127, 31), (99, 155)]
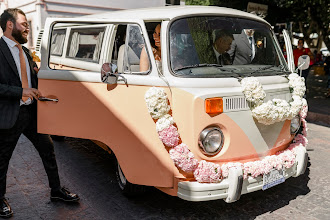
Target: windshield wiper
[(263, 68), (199, 65), (208, 65)]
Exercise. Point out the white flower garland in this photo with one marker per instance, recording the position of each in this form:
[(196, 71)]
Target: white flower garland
[(208, 172), (275, 110)]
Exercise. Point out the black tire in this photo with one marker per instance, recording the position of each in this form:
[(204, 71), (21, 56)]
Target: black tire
[(127, 188), (57, 138)]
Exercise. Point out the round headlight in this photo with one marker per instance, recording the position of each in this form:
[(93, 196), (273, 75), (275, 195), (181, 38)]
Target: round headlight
[(211, 140), (295, 124)]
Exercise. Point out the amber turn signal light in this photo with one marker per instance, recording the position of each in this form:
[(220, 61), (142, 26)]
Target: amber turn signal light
[(213, 105)]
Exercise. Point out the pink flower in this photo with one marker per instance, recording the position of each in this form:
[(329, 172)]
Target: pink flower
[(208, 172), (183, 158), (254, 168), (225, 168), (305, 129), (273, 162), (301, 139), (169, 136), (303, 111), (247, 167), (288, 158)]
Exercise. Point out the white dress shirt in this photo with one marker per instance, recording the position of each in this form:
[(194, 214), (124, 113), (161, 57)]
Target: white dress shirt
[(252, 43), (15, 53)]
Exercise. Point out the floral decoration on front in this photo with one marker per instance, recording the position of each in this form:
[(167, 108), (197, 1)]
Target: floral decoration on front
[(208, 172), (275, 110)]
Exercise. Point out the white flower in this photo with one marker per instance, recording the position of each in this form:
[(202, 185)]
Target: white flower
[(225, 168), (297, 84), (157, 103), (164, 122), (296, 106), (253, 90), (272, 111)]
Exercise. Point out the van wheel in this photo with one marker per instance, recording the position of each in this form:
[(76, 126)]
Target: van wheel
[(128, 189)]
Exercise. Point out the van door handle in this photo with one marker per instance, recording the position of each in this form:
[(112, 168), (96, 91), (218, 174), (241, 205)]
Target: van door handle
[(43, 99)]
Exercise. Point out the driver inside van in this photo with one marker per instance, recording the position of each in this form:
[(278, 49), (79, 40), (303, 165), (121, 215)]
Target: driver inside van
[(222, 40), (156, 50)]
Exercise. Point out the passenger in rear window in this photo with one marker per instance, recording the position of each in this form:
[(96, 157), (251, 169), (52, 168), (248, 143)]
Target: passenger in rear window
[(156, 49)]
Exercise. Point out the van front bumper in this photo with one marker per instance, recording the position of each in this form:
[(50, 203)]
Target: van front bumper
[(231, 188)]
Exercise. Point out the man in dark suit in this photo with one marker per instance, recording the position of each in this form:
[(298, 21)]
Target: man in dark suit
[(18, 106), (243, 49), (222, 40)]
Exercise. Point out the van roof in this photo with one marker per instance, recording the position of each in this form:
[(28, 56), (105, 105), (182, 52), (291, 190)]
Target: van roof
[(171, 12)]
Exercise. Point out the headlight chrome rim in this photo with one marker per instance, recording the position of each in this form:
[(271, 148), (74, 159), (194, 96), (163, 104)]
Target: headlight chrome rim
[(203, 135), (296, 120)]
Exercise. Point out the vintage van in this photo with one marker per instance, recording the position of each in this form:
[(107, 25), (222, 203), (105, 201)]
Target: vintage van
[(188, 125)]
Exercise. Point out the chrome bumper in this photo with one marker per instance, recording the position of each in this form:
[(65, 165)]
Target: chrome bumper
[(231, 188)]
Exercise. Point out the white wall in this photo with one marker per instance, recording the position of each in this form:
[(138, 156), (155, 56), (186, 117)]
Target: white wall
[(115, 4), (38, 10)]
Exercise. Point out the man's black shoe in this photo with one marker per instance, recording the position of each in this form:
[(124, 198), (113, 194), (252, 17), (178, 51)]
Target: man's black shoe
[(5, 210), (64, 195)]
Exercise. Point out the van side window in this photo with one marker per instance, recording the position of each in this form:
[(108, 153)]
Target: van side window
[(85, 44), (129, 53), (119, 43), (57, 42)]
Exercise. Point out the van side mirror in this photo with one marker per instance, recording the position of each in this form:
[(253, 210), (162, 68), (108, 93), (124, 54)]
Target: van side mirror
[(303, 62), (109, 74)]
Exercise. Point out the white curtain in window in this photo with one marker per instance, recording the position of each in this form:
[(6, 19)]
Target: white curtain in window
[(57, 44), (74, 46), (97, 49)]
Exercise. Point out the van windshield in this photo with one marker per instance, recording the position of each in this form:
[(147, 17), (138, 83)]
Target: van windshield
[(223, 46)]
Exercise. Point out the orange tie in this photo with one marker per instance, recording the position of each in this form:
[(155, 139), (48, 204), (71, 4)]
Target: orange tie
[(24, 78)]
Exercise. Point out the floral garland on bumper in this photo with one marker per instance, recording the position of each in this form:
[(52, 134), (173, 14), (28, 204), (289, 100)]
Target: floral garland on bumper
[(208, 172)]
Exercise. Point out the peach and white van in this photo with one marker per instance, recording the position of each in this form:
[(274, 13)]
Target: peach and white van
[(188, 125)]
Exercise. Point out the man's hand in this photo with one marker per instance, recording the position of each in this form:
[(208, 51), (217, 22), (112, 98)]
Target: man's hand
[(36, 69), (31, 93)]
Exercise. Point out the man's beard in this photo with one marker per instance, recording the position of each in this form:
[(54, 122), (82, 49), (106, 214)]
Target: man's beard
[(18, 36)]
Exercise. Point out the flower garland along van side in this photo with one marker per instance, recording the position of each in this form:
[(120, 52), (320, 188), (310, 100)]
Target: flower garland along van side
[(275, 110), (208, 172)]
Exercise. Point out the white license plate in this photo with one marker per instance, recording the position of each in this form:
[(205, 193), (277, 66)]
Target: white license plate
[(273, 178)]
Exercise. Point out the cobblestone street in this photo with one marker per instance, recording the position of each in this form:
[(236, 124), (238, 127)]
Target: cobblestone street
[(89, 171)]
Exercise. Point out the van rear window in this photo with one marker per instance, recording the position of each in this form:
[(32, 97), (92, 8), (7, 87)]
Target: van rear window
[(85, 44)]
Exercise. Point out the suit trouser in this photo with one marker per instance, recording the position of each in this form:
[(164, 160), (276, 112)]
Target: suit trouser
[(27, 124)]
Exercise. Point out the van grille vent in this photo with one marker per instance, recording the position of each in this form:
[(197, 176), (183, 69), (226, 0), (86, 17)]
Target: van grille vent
[(238, 103), (235, 104), (38, 44)]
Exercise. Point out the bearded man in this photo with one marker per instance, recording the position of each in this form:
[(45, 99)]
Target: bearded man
[(18, 106)]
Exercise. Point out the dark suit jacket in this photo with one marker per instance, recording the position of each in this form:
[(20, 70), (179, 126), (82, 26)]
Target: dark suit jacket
[(11, 86), (240, 51), (225, 59)]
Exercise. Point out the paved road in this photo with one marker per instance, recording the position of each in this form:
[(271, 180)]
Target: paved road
[(89, 171)]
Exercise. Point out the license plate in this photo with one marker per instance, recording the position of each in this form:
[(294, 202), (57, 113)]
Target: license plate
[(273, 178)]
